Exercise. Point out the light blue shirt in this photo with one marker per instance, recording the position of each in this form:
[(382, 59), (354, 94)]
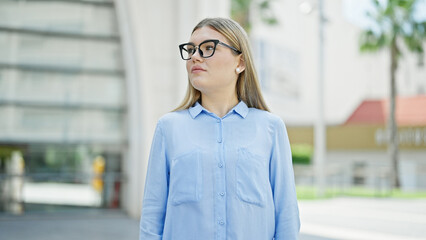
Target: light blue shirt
[(212, 178)]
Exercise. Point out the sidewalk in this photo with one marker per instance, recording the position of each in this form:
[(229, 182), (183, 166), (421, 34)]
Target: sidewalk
[(70, 225), (332, 219), (364, 219)]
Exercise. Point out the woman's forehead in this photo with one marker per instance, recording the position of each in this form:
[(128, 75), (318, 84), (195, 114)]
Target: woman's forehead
[(205, 33)]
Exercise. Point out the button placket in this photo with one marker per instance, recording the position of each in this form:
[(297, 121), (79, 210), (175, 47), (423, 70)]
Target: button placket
[(220, 186), (220, 130)]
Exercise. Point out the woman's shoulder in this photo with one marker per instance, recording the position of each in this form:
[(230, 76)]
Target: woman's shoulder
[(174, 117), (262, 115)]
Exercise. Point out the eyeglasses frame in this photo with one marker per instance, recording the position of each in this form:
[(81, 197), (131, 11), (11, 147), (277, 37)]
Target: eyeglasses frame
[(215, 41)]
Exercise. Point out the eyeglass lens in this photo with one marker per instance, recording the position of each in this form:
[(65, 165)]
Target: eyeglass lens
[(205, 49)]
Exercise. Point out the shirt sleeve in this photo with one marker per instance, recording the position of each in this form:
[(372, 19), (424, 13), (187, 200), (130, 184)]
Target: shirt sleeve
[(156, 190), (287, 222)]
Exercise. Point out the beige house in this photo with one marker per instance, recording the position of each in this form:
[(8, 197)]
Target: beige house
[(357, 150)]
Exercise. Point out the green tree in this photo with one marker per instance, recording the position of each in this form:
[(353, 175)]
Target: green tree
[(394, 24), (241, 12)]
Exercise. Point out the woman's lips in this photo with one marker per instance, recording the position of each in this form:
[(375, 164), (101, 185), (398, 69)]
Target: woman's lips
[(197, 69)]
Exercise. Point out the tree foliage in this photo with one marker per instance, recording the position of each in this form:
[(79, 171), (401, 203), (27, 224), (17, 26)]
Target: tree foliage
[(393, 20), (241, 11)]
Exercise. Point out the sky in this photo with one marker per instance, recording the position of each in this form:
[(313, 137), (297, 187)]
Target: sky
[(355, 11)]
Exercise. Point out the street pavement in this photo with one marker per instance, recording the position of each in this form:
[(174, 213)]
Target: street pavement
[(364, 219), (331, 219), (79, 224)]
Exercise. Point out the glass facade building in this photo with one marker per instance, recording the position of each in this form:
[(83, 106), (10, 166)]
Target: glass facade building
[(62, 101)]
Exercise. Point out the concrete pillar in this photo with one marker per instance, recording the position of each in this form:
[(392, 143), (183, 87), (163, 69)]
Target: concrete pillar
[(15, 169), (150, 33)]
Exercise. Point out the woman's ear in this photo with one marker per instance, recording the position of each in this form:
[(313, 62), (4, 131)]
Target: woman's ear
[(241, 65)]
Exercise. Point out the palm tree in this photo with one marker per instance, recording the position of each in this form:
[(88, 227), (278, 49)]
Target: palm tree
[(394, 23)]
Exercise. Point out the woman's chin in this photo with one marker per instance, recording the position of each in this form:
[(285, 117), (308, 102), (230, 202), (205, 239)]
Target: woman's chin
[(199, 84)]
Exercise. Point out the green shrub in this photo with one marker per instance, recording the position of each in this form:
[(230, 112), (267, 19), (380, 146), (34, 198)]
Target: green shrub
[(301, 153)]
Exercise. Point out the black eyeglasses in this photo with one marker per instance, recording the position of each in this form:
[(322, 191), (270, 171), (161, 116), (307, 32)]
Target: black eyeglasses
[(206, 49)]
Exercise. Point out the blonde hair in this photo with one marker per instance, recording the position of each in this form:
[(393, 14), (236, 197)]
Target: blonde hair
[(248, 88)]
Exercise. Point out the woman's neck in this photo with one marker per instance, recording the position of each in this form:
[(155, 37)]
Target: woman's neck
[(219, 104)]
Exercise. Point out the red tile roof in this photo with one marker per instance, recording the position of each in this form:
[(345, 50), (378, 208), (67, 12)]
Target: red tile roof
[(409, 111)]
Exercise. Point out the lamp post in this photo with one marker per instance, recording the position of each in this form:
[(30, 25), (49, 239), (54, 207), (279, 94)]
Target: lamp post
[(320, 138)]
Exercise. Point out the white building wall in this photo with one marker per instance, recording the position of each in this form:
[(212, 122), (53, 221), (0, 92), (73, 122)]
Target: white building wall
[(289, 65), (156, 76)]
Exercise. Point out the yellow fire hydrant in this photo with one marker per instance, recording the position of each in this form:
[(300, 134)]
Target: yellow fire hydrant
[(98, 170)]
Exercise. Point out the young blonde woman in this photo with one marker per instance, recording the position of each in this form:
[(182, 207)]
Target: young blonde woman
[(220, 165)]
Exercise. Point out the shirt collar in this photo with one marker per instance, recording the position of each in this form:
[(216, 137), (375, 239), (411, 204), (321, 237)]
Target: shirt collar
[(241, 109), (195, 110)]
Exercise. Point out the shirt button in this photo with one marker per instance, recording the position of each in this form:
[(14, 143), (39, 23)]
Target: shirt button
[(218, 120), (222, 194), (220, 165), (221, 222)]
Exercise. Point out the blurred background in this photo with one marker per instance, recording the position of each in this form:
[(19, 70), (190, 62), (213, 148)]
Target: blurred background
[(83, 83)]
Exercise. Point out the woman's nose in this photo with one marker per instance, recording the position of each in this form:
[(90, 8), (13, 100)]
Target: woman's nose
[(197, 54)]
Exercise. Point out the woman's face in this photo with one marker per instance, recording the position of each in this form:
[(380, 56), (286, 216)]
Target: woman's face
[(216, 73)]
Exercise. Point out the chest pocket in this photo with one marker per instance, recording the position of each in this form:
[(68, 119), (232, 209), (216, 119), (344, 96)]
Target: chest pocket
[(186, 178), (251, 178)]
